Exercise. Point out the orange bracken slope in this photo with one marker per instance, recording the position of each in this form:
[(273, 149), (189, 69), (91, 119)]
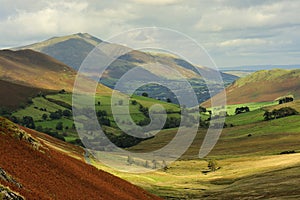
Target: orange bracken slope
[(46, 173)]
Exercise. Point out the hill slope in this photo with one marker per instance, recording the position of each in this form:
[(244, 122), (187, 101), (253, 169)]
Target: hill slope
[(41, 171), (13, 95), (73, 49), (265, 85), (34, 69)]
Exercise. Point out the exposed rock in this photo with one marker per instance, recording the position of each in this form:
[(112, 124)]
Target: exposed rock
[(5, 194), (4, 176), (7, 126)]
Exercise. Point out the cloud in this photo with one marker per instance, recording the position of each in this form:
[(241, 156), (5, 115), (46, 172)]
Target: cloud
[(156, 2), (223, 27), (243, 42), (260, 16)]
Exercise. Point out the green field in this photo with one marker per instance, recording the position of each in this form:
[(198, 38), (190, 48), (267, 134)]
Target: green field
[(59, 101)]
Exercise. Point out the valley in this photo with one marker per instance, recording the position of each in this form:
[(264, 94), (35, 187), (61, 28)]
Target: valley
[(256, 157)]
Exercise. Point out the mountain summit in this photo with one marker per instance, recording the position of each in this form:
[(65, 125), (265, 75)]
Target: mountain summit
[(71, 49)]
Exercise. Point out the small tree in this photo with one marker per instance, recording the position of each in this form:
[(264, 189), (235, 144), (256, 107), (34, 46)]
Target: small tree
[(130, 160), (212, 165), (44, 116), (146, 164), (59, 126), (164, 165), (154, 162), (144, 94), (133, 102)]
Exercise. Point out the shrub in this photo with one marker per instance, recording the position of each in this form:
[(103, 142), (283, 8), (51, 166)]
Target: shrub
[(59, 126), (212, 165)]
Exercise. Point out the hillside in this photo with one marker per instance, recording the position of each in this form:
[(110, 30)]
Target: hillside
[(262, 86), (14, 95), (250, 156), (73, 49), (34, 69), (36, 166)]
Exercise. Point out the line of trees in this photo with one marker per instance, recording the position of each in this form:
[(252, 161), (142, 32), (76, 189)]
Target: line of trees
[(282, 112)]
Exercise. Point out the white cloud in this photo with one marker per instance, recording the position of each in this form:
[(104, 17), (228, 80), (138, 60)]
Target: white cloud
[(243, 42), (223, 27), (156, 2), (261, 16)]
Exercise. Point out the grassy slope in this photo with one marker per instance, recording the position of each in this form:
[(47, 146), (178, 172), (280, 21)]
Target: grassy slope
[(34, 111), (249, 165), (262, 86)]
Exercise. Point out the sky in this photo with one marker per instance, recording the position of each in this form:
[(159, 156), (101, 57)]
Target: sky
[(233, 32)]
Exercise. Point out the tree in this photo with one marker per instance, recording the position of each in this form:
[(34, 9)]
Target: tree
[(242, 110), (154, 162), (212, 165), (99, 103), (67, 113), (59, 126), (146, 164), (44, 116), (164, 165), (202, 109), (130, 160), (28, 122), (145, 94), (133, 102)]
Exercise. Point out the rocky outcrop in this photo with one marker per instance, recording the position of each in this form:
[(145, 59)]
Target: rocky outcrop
[(7, 127), (5, 193), (4, 176)]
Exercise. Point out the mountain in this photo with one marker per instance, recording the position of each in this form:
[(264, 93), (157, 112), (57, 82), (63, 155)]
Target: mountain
[(264, 85), (36, 166), (73, 49), (37, 70)]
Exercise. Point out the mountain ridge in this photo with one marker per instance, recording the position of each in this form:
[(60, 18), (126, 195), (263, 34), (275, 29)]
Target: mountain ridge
[(262, 86)]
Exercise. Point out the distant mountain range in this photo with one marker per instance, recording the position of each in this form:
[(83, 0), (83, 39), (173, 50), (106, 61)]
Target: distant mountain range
[(264, 85), (252, 68), (73, 49)]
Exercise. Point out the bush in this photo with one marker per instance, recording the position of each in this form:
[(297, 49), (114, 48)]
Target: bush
[(212, 165), (28, 122), (59, 126), (44, 116), (67, 113)]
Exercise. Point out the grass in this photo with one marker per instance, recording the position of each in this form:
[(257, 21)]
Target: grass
[(247, 153), (36, 110), (246, 118)]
